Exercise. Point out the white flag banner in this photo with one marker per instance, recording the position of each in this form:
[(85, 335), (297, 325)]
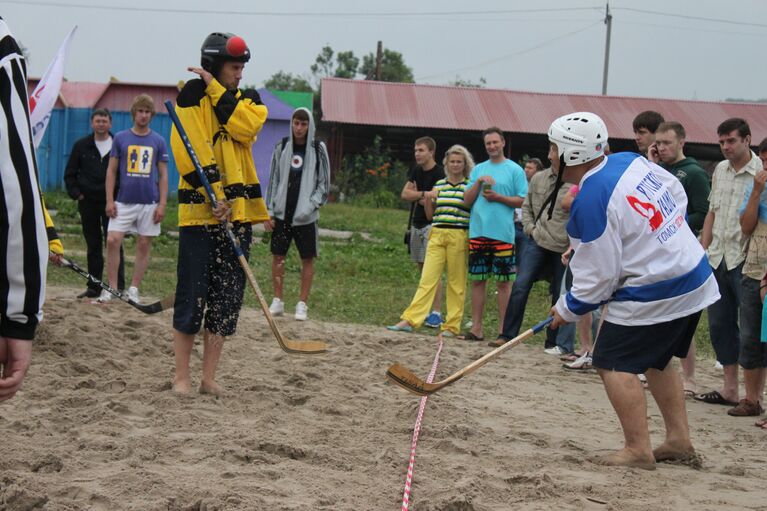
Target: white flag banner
[(47, 91)]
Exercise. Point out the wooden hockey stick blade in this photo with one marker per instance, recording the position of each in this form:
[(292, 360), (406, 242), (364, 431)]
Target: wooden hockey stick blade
[(150, 308), (288, 346), (408, 380)]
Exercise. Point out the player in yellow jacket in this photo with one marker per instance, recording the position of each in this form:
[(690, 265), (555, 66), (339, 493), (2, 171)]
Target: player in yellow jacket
[(221, 122)]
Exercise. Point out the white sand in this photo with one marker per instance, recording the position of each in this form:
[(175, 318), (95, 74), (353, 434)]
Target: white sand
[(97, 427)]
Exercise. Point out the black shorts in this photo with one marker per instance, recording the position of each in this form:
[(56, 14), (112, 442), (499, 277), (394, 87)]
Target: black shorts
[(210, 279), (305, 237), (635, 349)]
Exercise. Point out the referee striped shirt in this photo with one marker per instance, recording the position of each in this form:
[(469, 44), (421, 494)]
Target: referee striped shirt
[(23, 238), (450, 211)]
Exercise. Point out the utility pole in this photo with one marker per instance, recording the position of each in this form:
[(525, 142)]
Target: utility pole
[(379, 57), (609, 23)]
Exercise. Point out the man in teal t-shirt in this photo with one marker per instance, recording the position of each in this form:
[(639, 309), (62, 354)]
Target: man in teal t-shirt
[(495, 188)]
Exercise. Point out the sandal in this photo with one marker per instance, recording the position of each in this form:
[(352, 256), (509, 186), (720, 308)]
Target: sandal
[(500, 341), (762, 423), (714, 398), (470, 336)]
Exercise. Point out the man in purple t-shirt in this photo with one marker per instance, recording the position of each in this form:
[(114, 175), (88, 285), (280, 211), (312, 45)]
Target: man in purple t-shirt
[(141, 157)]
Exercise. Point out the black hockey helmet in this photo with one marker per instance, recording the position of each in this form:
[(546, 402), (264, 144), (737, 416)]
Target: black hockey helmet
[(220, 47)]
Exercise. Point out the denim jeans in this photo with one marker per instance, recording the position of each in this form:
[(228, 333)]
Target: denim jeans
[(723, 315), (532, 262), (520, 241)]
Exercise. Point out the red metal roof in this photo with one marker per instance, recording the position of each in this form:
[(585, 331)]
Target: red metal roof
[(463, 108)]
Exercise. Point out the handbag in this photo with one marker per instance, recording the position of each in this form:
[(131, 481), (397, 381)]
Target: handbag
[(409, 227)]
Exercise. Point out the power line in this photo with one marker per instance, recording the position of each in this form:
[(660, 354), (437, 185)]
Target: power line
[(509, 55), (691, 29), (402, 14), (688, 17)]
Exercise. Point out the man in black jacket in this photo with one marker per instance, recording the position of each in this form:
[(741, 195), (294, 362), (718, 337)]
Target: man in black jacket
[(84, 178)]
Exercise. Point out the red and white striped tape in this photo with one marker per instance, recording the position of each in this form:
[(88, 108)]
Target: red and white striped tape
[(416, 430)]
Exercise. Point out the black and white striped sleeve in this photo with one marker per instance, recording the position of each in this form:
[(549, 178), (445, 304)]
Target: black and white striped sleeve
[(23, 238)]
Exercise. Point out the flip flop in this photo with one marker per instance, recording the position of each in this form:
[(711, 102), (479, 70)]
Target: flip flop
[(714, 398), (469, 336), (396, 328), (762, 423), (689, 393)]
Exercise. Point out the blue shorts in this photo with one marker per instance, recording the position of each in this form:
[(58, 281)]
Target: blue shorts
[(211, 282), (635, 349)]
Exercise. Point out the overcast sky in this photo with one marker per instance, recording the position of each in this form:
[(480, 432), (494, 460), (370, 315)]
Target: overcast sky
[(671, 49)]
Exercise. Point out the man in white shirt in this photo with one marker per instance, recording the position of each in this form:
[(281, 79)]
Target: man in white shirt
[(634, 252)]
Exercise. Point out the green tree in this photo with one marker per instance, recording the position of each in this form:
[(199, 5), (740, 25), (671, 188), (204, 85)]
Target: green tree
[(742, 100), (288, 81), (344, 65), (347, 65), (323, 64), (393, 67), (461, 82)]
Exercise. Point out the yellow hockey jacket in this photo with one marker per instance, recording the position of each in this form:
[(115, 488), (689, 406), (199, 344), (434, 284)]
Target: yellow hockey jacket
[(222, 126)]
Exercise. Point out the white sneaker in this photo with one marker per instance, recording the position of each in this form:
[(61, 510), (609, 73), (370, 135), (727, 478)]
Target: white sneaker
[(583, 362), (104, 297), (719, 366), (301, 311), (277, 307), (556, 350), (133, 293)]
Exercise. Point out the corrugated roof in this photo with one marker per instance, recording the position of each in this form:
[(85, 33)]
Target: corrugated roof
[(464, 108), (118, 96)]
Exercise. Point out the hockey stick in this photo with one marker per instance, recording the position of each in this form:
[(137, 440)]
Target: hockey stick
[(151, 308), (407, 379), (288, 346)]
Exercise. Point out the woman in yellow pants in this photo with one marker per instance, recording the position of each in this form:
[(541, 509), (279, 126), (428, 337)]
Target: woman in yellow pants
[(448, 246)]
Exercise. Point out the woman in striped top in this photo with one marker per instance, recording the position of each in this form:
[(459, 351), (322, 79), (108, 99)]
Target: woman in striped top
[(448, 246)]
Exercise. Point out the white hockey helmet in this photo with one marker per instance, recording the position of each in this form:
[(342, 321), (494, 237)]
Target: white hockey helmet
[(580, 137)]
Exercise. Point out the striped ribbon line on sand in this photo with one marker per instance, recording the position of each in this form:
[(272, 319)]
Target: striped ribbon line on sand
[(416, 430)]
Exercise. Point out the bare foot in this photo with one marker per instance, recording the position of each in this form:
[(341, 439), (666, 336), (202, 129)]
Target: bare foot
[(677, 453), (626, 458), (182, 386), (212, 388)]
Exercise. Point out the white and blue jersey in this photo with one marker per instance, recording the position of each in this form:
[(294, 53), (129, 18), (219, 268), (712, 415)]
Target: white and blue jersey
[(633, 247)]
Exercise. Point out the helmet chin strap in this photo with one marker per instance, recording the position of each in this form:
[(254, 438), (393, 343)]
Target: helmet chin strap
[(552, 198)]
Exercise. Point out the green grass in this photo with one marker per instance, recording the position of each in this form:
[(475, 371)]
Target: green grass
[(356, 281)]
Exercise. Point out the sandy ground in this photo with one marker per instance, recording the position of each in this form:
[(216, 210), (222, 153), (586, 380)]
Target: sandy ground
[(97, 427)]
